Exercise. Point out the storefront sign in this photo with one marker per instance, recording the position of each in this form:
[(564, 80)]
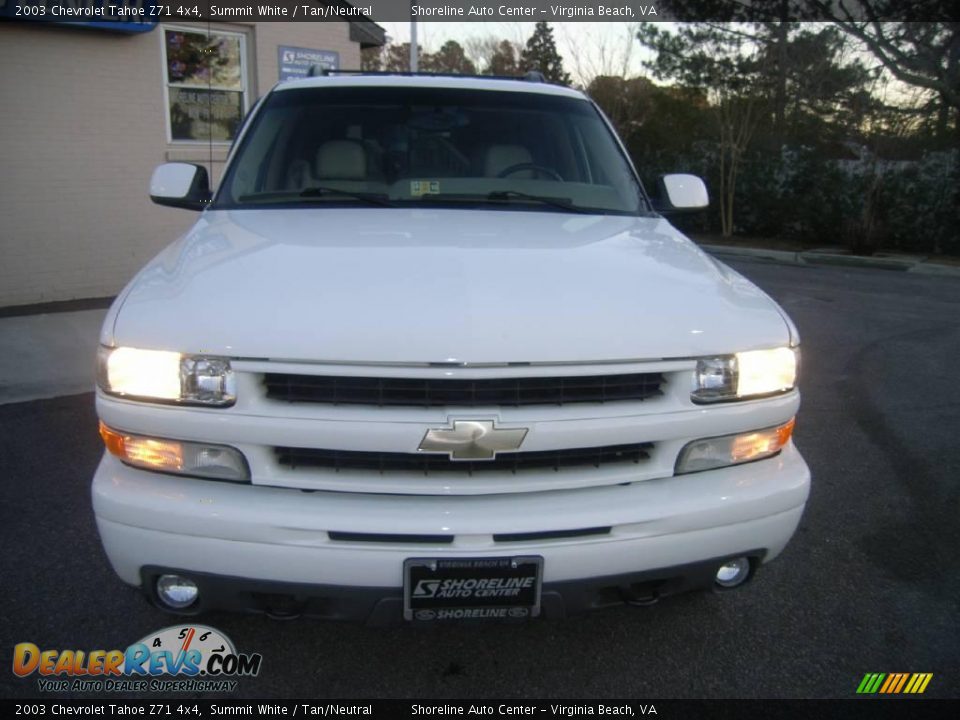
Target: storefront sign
[(295, 62)]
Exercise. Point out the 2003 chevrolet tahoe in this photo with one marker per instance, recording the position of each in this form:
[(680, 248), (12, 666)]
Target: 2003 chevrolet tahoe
[(430, 351)]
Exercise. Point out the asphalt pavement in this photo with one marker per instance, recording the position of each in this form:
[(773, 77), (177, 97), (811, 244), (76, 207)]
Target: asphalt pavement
[(870, 583)]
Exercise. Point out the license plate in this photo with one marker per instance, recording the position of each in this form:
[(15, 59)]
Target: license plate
[(472, 588)]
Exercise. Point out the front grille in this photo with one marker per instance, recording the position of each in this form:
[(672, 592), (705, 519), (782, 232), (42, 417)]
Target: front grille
[(426, 463), (432, 392)]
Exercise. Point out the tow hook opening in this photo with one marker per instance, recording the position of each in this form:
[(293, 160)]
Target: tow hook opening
[(640, 594), (278, 606)]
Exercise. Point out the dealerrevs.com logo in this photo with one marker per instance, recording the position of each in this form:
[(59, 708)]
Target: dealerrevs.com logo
[(181, 658)]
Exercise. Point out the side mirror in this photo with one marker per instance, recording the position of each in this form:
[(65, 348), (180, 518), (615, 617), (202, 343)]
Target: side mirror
[(679, 192), (180, 185)]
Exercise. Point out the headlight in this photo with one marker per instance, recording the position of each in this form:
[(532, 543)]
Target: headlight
[(745, 375), (164, 376)]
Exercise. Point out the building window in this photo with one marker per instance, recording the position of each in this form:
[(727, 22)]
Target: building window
[(206, 90)]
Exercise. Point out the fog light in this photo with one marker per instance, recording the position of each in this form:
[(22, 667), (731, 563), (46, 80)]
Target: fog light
[(733, 572), (177, 592)]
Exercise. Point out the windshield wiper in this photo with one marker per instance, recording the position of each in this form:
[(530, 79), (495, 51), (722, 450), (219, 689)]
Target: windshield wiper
[(507, 195), (321, 191)]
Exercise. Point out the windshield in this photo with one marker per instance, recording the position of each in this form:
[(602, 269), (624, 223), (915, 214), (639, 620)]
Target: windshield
[(440, 147)]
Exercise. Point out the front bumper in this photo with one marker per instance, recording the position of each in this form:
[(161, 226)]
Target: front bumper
[(340, 555), (384, 605)]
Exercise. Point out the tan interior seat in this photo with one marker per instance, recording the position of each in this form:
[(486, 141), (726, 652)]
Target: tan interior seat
[(341, 160), (500, 157)]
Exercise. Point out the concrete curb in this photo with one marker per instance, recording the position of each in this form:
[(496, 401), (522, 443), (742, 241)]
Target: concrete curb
[(785, 256), (935, 269), (818, 258), (813, 257)]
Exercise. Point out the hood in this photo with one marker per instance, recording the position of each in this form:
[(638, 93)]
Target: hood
[(445, 285)]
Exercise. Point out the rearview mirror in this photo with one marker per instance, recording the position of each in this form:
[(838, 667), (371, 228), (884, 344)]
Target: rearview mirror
[(681, 191), (180, 185)]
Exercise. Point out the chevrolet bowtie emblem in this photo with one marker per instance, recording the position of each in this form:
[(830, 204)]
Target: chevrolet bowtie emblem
[(472, 440)]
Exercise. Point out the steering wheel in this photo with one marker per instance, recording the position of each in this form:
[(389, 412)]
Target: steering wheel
[(519, 167)]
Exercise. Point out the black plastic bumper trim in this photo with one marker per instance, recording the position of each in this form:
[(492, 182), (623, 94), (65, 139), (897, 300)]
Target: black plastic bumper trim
[(384, 605)]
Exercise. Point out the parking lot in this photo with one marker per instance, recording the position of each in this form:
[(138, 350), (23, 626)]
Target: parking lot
[(870, 583)]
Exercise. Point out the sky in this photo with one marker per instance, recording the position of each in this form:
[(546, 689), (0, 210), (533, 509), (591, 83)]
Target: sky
[(588, 49)]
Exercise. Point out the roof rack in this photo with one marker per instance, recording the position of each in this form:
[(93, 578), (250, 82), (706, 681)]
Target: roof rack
[(318, 70)]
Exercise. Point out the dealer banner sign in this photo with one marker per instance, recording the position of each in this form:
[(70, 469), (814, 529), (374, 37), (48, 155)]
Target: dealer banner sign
[(125, 16)]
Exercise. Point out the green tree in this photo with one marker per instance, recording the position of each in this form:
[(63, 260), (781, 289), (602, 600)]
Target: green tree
[(371, 58), (816, 96), (450, 58), (726, 67), (764, 23), (627, 102), (505, 60), (922, 54), (541, 54), (396, 58), (388, 58), (770, 83)]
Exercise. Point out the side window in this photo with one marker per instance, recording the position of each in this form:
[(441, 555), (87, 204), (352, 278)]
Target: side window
[(205, 77)]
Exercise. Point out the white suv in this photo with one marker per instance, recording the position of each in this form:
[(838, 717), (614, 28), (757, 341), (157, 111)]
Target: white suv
[(430, 352)]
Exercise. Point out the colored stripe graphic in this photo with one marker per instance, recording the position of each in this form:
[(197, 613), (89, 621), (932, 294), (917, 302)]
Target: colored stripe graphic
[(894, 683), (903, 679), (918, 683), (869, 683)]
